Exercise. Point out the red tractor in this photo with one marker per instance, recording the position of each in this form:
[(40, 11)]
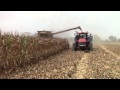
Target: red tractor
[(82, 41)]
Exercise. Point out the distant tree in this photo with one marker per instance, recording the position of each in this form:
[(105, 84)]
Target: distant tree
[(106, 41), (112, 38)]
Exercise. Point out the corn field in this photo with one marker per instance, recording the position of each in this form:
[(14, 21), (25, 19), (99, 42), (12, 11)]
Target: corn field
[(31, 57), (101, 63), (20, 51)]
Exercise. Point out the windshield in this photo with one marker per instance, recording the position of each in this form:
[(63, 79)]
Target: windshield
[(82, 35), (78, 36)]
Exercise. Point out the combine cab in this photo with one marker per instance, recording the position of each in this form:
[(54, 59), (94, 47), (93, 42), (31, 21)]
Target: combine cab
[(45, 34)]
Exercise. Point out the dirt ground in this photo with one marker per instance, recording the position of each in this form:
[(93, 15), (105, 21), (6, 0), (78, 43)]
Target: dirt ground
[(101, 63)]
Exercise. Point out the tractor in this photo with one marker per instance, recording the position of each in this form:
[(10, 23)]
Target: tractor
[(82, 41)]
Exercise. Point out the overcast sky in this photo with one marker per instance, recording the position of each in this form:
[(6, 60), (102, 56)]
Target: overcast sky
[(102, 23)]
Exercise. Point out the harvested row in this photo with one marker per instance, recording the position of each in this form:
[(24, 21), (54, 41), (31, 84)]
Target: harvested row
[(103, 65), (20, 51), (115, 48)]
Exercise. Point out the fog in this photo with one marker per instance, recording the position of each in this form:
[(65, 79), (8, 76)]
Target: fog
[(102, 23)]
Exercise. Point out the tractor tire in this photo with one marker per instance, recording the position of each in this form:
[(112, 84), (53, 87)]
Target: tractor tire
[(91, 47), (74, 47)]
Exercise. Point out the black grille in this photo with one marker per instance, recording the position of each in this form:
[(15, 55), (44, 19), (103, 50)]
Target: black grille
[(82, 43)]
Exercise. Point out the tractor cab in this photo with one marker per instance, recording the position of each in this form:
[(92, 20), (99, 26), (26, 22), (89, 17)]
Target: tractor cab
[(81, 37)]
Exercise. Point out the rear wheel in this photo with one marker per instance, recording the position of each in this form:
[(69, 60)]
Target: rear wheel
[(91, 47), (74, 48)]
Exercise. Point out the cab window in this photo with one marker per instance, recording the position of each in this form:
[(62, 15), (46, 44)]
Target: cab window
[(82, 35)]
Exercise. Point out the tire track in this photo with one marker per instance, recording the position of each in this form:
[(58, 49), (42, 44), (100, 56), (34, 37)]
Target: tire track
[(82, 67)]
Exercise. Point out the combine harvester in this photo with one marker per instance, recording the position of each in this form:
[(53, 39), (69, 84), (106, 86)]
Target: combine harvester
[(82, 40)]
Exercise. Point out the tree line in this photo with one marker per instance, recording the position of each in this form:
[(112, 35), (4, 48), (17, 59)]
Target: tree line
[(110, 38)]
